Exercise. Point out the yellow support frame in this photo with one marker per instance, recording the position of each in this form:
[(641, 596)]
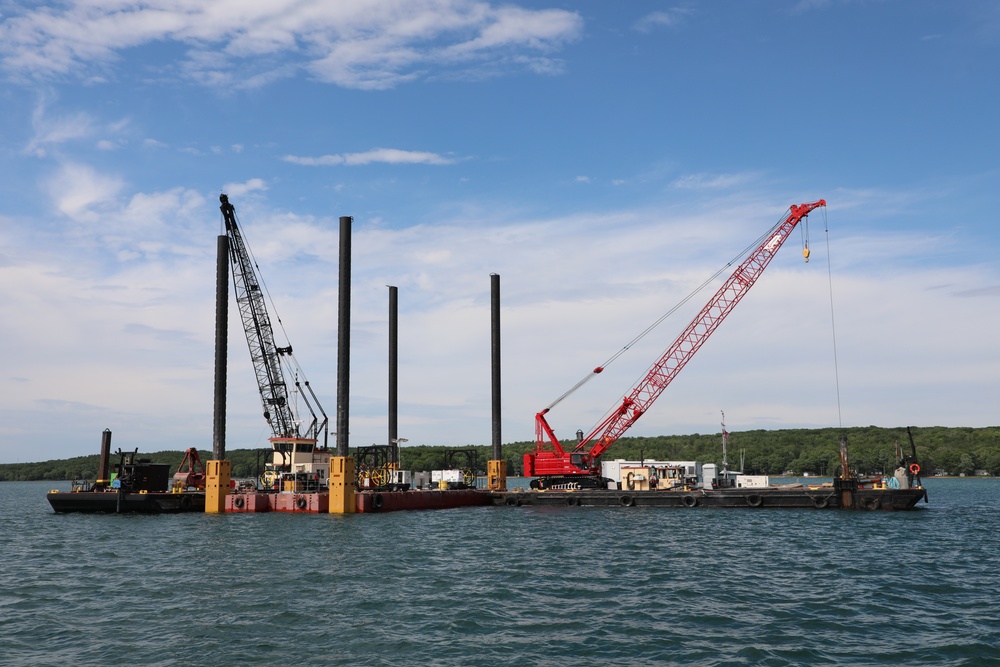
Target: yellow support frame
[(217, 479), (496, 475), (342, 495)]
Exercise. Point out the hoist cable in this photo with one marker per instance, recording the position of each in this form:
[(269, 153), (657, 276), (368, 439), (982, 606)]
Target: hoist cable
[(833, 323), (739, 257)]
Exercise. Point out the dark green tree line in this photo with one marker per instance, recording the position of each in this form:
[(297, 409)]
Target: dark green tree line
[(940, 450)]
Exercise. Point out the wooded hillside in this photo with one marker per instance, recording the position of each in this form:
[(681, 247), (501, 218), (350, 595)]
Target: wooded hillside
[(940, 450)]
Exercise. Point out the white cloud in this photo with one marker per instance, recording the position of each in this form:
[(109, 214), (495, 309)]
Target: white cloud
[(81, 192), (237, 190), (512, 26), (370, 45), (662, 18), (384, 155), (142, 226)]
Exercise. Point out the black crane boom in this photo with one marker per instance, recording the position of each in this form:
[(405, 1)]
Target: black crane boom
[(264, 354)]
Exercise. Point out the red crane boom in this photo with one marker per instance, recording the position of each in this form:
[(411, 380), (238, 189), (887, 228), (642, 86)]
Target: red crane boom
[(553, 465)]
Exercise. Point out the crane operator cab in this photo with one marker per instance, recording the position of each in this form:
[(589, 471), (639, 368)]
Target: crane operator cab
[(580, 460)]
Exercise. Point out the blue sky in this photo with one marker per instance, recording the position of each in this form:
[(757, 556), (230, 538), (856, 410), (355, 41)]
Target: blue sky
[(603, 158)]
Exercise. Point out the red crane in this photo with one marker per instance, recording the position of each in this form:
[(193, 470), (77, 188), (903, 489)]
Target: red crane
[(553, 465)]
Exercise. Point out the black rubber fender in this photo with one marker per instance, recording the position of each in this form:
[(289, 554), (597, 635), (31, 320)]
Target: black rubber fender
[(689, 501), (301, 502), (753, 500), (377, 501), (626, 500), (239, 502)]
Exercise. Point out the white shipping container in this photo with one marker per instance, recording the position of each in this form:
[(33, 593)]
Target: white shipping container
[(454, 476), (752, 481)]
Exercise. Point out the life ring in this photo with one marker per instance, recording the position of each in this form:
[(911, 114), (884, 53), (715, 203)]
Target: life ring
[(689, 501), (915, 468), (301, 502), (754, 500), (871, 503), (821, 502), (239, 502), (377, 501), (626, 501), (511, 501)]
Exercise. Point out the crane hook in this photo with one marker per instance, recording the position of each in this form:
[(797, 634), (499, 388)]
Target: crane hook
[(804, 229)]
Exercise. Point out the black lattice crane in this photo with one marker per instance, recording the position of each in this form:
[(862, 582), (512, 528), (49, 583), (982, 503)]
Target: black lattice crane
[(266, 356)]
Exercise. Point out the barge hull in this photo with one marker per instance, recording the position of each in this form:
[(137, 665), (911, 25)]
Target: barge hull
[(110, 502), (394, 501), (765, 498), (366, 502)]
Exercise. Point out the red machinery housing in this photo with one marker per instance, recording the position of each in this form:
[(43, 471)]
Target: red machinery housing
[(580, 466), (191, 472)]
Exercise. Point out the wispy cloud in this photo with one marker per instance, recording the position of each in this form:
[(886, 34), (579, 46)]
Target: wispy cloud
[(384, 155), (51, 130), (371, 45), (711, 181), (664, 18)]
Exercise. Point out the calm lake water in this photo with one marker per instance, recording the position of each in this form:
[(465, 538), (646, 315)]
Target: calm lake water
[(505, 586)]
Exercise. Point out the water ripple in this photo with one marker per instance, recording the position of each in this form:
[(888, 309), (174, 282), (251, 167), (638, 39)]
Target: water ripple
[(504, 586)]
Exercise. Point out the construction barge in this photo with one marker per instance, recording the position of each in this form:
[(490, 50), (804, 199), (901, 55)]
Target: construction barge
[(305, 477), (789, 496), (690, 484), (298, 479)]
